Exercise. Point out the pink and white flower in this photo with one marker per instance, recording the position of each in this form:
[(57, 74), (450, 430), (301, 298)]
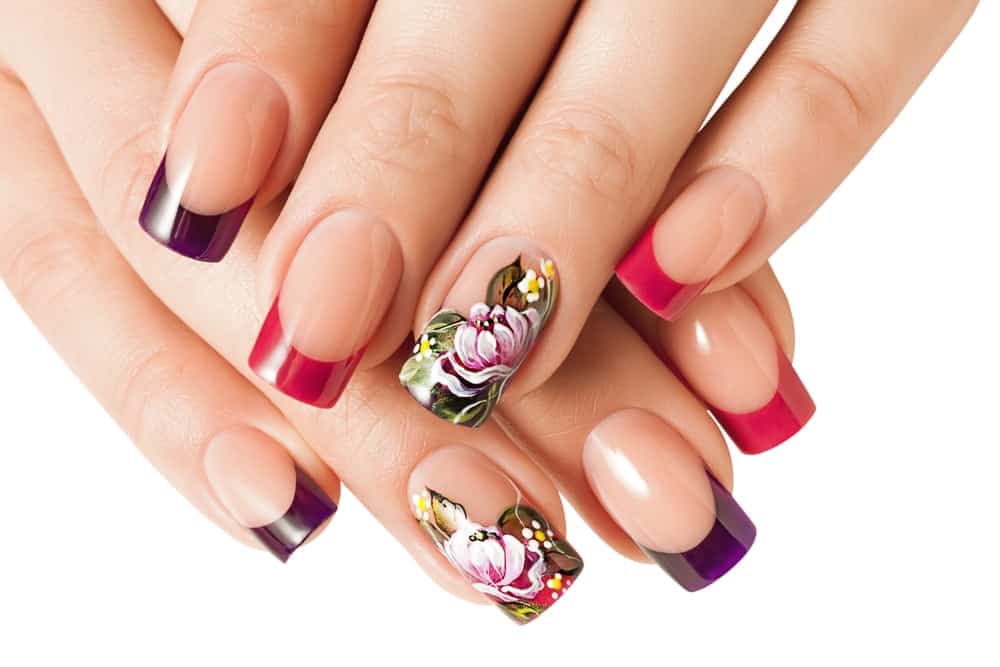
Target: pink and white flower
[(499, 565), (487, 348)]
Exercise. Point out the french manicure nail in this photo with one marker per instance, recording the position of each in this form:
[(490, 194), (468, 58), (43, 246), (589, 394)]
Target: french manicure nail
[(219, 154), (259, 484), (694, 239), (468, 352), (479, 520), (725, 350), (655, 486), (336, 292)]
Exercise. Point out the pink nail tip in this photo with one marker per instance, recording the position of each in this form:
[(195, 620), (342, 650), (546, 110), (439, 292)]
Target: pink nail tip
[(785, 414), (639, 271), (297, 375)]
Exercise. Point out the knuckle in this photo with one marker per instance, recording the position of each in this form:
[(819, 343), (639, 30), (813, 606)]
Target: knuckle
[(585, 148), (51, 265), (412, 124), (828, 98), (145, 405)]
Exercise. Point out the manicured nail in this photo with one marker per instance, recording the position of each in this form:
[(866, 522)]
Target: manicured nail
[(694, 239), (655, 486), (480, 521), (259, 484), (336, 292), (725, 350), (220, 152), (467, 353)]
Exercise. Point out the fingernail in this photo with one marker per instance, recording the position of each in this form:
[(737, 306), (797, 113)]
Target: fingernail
[(694, 239), (655, 486), (263, 490), (336, 292), (479, 520), (219, 154), (725, 350), (492, 317)]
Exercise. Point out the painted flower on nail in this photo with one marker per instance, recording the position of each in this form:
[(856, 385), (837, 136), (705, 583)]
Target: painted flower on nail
[(424, 348), (531, 286), (461, 365), (499, 565), (486, 349), (499, 559)]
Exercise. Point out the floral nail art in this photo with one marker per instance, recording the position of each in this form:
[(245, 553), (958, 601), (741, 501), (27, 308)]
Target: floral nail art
[(519, 562), (461, 365)]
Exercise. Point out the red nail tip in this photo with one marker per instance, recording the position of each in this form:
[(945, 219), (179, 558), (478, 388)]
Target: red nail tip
[(294, 374), (784, 415), (639, 271)]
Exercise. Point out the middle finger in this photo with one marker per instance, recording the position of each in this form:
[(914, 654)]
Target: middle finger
[(626, 94)]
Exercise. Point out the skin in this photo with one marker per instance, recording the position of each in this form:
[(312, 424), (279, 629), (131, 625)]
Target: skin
[(591, 161), (376, 437)]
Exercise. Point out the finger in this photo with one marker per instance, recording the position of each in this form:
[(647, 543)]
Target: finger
[(733, 348), (379, 443), (211, 433), (243, 106), (658, 468), (829, 85), (400, 157), (579, 178)]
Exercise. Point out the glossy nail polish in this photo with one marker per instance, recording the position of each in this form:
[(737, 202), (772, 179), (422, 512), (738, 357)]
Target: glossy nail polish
[(220, 152), (469, 351), (654, 484), (700, 232), (479, 520), (259, 484), (334, 295), (727, 353)]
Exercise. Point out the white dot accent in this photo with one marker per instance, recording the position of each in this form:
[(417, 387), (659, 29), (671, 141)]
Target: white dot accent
[(526, 533), (555, 596), (536, 525), (547, 544)]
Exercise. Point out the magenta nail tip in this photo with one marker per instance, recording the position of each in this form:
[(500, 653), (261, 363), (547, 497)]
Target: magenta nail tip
[(308, 380), (206, 238), (785, 414), (641, 274)]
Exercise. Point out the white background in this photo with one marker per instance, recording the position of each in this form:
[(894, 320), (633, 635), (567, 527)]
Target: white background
[(877, 524)]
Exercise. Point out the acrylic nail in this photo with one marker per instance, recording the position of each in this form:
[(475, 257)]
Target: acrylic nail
[(491, 319), (725, 350), (219, 154), (655, 486), (694, 239), (336, 292), (483, 525), (263, 490)]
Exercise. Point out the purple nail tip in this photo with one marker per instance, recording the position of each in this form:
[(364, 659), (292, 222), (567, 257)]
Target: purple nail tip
[(310, 508), (725, 545), (206, 238)]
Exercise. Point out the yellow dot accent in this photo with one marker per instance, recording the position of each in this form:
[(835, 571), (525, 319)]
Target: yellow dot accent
[(540, 536), (555, 584)]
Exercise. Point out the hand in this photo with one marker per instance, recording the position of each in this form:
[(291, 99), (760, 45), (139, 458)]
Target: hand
[(399, 169), (166, 367)]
